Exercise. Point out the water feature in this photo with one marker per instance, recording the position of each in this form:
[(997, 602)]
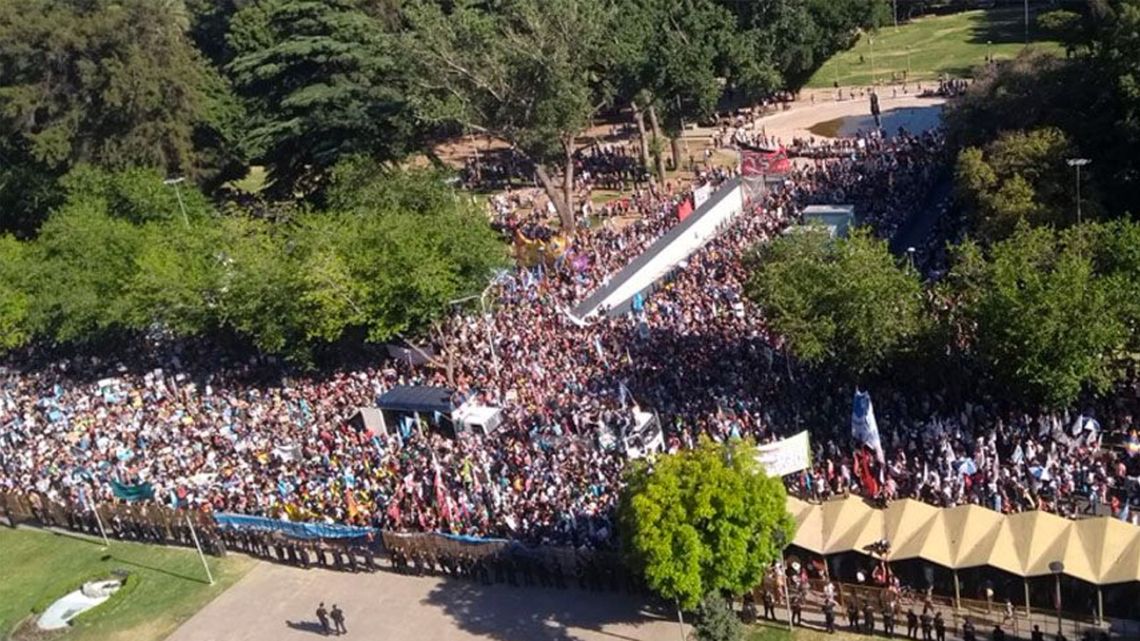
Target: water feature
[(93, 593), (913, 119)]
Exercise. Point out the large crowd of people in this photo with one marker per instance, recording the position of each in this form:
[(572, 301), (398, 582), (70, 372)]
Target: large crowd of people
[(214, 433)]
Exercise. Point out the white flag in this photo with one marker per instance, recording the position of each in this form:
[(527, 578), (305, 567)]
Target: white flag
[(863, 426)]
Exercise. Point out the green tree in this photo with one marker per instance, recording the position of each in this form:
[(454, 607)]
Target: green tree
[(114, 84), (262, 288), (14, 299), (322, 83), (680, 60), (845, 300), (180, 278), (529, 72), (1021, 176), (716, 620), (135, 194), (703, 520), (402, 246), (79, 266), (1046, 325)]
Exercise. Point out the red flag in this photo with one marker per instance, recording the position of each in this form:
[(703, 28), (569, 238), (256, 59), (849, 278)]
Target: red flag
[(757, 163), (862, 467), (685, 209)]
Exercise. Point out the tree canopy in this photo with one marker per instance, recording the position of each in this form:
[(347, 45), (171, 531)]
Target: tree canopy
[(846, 301), (323, 82), (118, 256), (1047, 326), (530, 72), (703, 520), (134, 135), (115, 84), (1022, 176)]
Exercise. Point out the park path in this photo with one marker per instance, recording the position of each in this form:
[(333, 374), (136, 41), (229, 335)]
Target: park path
[(277, 603)]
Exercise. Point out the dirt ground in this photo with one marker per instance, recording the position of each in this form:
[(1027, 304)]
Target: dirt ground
[(277, 603)]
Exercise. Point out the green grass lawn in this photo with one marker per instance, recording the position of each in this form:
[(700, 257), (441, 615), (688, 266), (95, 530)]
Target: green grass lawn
[(930, 46), (40, 566)]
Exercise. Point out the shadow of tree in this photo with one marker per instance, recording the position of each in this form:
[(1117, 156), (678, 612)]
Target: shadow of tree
[(1004, 26), (511, 614)]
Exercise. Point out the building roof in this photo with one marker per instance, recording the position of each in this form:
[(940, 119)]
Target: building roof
[(418, 398)]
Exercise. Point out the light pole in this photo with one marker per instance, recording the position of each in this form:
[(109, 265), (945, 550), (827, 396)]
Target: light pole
[(874, 79), (1077, 163), (174, 182), (487, 324), (1056, 567)]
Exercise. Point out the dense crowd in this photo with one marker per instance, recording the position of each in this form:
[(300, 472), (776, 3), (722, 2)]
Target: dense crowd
[(243, 436)]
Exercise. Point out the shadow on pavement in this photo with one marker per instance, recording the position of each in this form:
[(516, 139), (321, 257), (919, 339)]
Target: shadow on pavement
[(306, 626), (530, 614)]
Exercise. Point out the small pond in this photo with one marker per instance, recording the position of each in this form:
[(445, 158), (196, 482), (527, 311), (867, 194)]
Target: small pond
[(913, 119)]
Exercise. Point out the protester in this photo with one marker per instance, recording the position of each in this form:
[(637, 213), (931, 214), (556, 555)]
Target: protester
[(211, 433)]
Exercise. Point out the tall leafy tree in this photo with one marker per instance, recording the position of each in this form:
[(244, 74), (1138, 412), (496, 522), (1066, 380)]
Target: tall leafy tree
[(685, 61), (110, 83), (1046, 326), (81, 261), (529, 72), (392, 256), (1022, 176), (846, 301), (14, 298), (702, 521), (322, 82)]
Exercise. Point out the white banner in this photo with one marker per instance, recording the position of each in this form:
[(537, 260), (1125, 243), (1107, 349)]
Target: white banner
[(785, 457), (701, 194)]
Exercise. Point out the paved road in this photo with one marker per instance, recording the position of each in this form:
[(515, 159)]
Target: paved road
[(276, 603)]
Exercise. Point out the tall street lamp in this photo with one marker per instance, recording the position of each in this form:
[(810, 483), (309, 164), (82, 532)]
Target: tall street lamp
[(1056, 567), (174, 182), (1077, 163)]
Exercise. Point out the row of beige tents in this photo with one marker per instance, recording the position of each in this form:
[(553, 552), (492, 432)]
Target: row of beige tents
[(1100, 550)]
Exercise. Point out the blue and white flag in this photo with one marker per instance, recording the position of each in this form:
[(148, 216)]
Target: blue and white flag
[(967, 467), (863, 426)]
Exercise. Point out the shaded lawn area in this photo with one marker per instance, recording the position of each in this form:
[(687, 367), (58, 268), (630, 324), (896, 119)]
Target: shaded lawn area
[(773, 632), (39, 567), (930, 46)]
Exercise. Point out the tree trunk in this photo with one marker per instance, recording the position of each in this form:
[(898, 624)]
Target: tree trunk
[(675, 142), (642, 139), (653, 122), (554, 194)]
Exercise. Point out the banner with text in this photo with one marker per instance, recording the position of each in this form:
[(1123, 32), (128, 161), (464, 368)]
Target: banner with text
[(785, 457)]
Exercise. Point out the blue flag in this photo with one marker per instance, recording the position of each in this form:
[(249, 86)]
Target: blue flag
[(130, 493)]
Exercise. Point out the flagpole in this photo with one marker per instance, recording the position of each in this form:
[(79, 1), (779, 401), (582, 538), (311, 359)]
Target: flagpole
[(194, 535), (102, 530)]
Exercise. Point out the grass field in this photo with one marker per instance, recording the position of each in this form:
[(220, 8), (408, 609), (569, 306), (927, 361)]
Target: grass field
[(928, 47), (38, 566)]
